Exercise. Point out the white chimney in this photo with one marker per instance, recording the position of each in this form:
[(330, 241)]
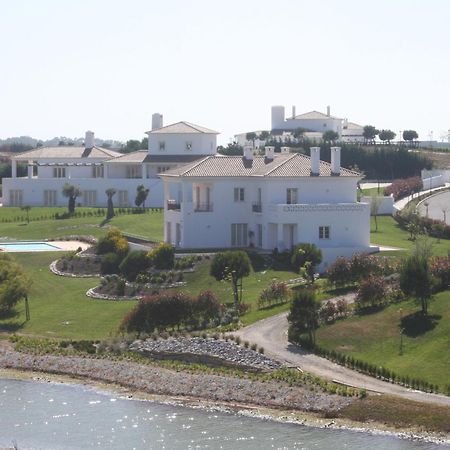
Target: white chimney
[(270, 152), (328, 111), (285, 149), (157, 121), (345, 123), (335, 160), (248, 152), (293, 111), (89, 139), (315, 160)]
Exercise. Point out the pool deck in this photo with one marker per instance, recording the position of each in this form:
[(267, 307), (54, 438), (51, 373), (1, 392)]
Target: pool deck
[(61, 246)]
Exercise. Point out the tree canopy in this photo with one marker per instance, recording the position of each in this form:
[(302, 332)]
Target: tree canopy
[(141, 195), (330, 136), (370, 133), (14, 284), (386, 135)]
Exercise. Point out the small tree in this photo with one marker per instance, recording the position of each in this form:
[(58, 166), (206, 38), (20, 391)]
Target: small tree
[(251, 136), (330, 136), (264, 135), (410, 135), (304, 315), (71, 192), (141, 195), (370, 133), (375, 203), (26, 208), (14, 284), (110, 211), (386, 136), (233, 266), (308, 257), (416, 280)]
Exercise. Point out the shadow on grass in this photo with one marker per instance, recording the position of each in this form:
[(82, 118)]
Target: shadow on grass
[(11, 327), (269, 307), (416, 324)]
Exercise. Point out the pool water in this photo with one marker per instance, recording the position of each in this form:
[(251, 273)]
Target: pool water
[(27, 247)]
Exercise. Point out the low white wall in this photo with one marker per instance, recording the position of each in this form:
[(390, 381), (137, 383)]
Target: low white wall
[(386, 206), (426, 174)]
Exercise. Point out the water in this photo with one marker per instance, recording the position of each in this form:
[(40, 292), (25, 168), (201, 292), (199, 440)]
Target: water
[(65, 417), (27, 247)]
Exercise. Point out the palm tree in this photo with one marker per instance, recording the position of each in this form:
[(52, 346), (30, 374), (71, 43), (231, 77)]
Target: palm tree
[(110, 211), (71, 192)]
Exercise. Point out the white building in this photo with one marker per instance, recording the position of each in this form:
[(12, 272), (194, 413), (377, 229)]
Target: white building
[(314, 122), (266, 202), (94, 169)]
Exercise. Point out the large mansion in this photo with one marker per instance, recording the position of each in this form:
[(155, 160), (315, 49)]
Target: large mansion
[(267, 202), (94, 169)]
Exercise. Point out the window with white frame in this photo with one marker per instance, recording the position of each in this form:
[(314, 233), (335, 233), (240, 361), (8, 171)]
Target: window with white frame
[(123, 199), (16, 197), (239, 194), (291, 196), (97, 172), (90, 198), (188, 145), (59, 172), (239, 234), (324, 232), (50, 197), (162, 145)]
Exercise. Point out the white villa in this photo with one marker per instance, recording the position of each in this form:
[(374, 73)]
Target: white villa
[(315, 122), (94, 169), (271, 201)]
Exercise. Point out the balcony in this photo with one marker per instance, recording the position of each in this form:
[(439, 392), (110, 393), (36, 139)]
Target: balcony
[(203, 207), (257, 207), (173, 205)]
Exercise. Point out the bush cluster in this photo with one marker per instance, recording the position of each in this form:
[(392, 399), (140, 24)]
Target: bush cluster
[(403, 187), (440, 269), (162, 257), (372, 291), (331, 311), (172, 310), (276, 293), (113, 242), (424, 225)]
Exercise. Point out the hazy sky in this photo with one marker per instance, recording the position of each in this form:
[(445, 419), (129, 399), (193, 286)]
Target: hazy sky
[(107, 65)]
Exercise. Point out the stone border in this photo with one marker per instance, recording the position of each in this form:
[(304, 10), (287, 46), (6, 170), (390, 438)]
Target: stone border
[(53, 268)]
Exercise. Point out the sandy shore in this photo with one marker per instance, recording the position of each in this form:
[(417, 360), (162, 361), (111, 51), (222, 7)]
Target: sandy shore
[(271, 400)]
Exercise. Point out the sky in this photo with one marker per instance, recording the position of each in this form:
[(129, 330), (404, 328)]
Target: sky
[(108, 65)]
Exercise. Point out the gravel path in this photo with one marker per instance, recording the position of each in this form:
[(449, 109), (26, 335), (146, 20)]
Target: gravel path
[(271, 334)]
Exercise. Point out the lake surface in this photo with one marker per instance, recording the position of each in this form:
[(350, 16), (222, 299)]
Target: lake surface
[(65, 417)]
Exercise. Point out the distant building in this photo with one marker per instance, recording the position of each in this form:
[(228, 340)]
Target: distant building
[(94, 169), (314, 122)]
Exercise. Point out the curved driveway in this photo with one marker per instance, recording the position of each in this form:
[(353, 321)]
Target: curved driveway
[(271, 333), (436, 204)]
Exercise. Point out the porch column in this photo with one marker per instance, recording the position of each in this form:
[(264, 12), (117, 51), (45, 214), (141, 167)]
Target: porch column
[(13, 168), (280, 243), (30, 169), (105, 171), (144, 171)]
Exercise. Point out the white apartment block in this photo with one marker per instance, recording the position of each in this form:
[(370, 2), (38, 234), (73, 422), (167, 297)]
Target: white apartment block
[(266, 202), (94, 169)]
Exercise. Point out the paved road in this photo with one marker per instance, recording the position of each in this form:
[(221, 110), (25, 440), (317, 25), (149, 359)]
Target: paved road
[(271, 334), (399, 205), (436, 204)]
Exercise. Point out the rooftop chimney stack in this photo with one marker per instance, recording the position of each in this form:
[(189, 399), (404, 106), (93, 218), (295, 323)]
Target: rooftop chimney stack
[(293, 112), (270, 152), (89, 139), (335, 161), (328, 110), (315, 160), (157, 121), (248, 152)]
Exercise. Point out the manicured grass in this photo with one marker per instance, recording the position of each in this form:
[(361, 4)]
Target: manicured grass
[(392, 235), (148, 225), (375, 338), (59, 307), (372, 191)]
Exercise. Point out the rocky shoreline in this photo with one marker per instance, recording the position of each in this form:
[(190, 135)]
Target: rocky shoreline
[(271, 399)]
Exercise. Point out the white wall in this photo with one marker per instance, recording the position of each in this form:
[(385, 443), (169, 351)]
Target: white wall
[(175, 144), (386, 204), (445, 173)]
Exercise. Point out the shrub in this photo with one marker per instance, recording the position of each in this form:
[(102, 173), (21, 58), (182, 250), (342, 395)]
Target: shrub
[(403, 187), (133, 264), (328, 312), (163, 256), (115, 242), (110, 263), (440, 269), (14, 284), (371, 292), (339, 273), (277, 292), (207, 306), (306, 256)]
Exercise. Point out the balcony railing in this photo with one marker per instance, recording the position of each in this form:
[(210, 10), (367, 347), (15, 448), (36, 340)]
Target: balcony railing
[(173, 205), (257, 207), (203, 207)]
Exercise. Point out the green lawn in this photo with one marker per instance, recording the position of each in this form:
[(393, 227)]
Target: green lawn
[(149, 225), (390, 234), (375, 338), (59, 306)]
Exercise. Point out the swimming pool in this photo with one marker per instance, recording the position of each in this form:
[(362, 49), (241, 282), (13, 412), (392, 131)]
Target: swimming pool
[(27, 247)]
